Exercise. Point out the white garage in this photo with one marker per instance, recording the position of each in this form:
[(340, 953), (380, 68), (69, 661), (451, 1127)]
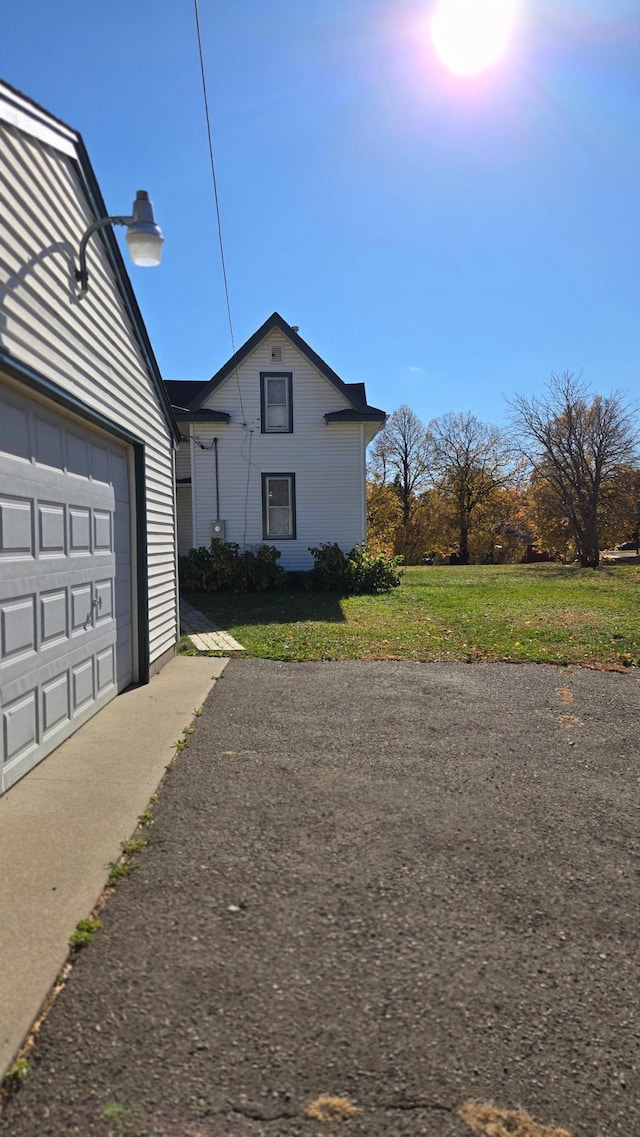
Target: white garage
[(88, 585)]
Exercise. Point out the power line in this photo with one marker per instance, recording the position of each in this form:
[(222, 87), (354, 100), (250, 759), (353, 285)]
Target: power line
[(215, 194)]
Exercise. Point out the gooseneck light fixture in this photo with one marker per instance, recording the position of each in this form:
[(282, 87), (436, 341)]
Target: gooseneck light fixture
[(143, 236)]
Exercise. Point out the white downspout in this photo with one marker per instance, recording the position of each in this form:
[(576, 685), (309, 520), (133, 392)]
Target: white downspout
[(364, 483), (192, 457)]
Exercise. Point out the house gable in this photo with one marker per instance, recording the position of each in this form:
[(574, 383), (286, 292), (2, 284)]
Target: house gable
[(33, 121), (87, 360), (353, 394)]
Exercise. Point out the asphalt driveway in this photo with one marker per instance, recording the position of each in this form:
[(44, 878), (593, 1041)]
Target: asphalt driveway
[(408, 885)]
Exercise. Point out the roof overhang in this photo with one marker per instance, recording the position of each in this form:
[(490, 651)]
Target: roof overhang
[(202, 416), (371, 415)]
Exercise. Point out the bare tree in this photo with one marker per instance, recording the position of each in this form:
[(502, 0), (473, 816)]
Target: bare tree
[(399, 457), (577, 442), (469, 461)]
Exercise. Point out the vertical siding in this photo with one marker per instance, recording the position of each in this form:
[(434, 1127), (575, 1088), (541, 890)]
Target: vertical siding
[(183, 498), (88, 347), (328, 461), (183, 518)]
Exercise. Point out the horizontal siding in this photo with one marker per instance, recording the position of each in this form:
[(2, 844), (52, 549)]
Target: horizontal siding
[(88, 347), (328, 461)]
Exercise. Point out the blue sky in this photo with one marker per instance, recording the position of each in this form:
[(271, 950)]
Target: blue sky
[(447, 241)]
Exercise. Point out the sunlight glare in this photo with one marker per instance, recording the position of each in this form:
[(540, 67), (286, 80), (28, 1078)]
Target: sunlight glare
[(471, 35)]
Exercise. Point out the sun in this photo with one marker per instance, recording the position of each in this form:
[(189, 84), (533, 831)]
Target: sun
[(471, 35)]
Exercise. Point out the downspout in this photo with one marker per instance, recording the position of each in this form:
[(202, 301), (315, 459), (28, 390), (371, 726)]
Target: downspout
[(364, 482), (192, 452), (176, 553), (215, 452)]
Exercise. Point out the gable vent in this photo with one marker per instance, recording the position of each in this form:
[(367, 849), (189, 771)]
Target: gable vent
[(277, 352)]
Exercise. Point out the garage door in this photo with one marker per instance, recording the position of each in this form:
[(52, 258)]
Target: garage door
[(65, 578)]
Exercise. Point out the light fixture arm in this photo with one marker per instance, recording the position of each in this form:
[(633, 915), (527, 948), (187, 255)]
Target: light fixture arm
[(82, 274), (144, 238)]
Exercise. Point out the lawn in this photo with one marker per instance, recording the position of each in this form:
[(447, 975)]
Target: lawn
[(534, 613)]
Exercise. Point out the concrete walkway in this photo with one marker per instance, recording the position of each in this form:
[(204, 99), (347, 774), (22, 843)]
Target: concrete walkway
[(62, 824)]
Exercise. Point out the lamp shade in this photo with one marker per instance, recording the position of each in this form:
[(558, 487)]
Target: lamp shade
[(144, 238)]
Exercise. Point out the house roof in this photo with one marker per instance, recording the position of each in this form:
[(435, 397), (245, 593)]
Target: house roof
[(25, 114), (190, 395), (182, 393)]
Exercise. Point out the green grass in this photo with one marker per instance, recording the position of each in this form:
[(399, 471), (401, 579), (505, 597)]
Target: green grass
[(535, 613)]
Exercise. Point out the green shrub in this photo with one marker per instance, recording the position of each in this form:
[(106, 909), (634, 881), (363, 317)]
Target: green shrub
[(259, 571), (224, 557), (361, 571), (195, 570), (331, 568), (371, 572), (224, 567)]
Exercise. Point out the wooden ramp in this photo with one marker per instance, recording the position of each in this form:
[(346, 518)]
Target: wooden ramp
[(203, 633)]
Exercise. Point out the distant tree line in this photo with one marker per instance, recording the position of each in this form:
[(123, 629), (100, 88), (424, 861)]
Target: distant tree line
[(562, 480)]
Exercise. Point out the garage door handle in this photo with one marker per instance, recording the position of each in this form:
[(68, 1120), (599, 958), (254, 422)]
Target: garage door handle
[(96, 602)]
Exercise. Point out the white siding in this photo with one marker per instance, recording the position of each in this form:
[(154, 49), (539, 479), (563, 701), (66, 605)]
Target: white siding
[(183, 498), (327, 460), (88, 347), (183, 461)]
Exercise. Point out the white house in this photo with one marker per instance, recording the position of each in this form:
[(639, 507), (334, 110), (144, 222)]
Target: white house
[(273, 450), (88, 582)]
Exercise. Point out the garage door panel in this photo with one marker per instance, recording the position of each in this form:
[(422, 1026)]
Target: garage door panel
[(121, 527), (54, 617), (105, 669), (77, 456), (15, 432), (20, 726), (103, 593), (100, 463), (49, 446), (82, 685), (102, 531), (120, 479), (16, 527), (51, 529), (79, 531), (81, 608), (56, 704), (65, 579), (18, 636)]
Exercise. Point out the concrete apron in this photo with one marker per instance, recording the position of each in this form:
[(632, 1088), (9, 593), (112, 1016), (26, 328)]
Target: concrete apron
[(63, 823)]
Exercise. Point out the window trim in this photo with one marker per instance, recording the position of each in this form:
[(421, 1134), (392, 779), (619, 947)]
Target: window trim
[(264, 376), (265, 506)]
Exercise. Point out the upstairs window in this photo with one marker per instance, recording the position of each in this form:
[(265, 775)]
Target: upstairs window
[(278, 507), (275, 402)]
